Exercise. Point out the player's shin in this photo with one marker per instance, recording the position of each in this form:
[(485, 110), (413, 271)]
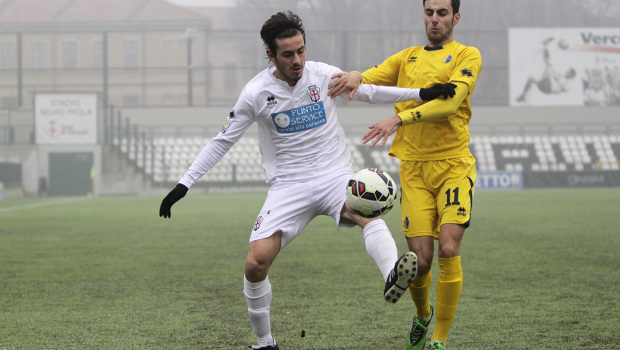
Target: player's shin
[(381, 246), (258, 297), (420, 291), (449, 287)]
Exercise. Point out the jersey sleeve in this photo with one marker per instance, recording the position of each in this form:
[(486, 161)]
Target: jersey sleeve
[(210, 155), (436, 108), (237, 122), (384, 94), (386, 73), (468, 68)]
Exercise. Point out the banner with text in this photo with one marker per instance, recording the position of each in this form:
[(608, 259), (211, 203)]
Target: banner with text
[(591, 178), (65, 118), (564, 66), (499, 180)]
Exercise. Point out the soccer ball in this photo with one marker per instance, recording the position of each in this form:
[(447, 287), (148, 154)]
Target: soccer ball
[(371, 192)]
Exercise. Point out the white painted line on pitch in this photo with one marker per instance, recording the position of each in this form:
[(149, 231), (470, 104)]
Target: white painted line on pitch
[(42, 204)]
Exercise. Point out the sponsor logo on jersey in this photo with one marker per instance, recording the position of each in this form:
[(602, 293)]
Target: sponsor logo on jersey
[(412, 59), (447, 59), (300, 119), (314, 93), (225, 126), (271, 101), (230, 118)]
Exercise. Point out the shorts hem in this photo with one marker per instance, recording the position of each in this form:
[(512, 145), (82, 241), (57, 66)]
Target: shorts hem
[(422, 234)]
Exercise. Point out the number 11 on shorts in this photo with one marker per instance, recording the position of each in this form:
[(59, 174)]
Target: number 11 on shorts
[(456, 197)]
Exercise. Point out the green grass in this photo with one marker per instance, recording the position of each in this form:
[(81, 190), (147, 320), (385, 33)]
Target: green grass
[(541, 272)]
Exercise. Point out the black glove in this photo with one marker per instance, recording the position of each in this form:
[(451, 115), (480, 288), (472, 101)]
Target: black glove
[(177, 193), (431, 93)]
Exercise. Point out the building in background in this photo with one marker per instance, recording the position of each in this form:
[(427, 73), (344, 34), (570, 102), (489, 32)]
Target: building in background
[(130, 52), (152, 53), (118, 96)]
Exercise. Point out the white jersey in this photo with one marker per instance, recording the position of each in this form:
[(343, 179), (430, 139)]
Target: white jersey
[(298, 131), (299, 135)]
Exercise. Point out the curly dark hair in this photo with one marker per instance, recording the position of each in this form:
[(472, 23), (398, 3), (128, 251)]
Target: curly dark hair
[(279, 26)]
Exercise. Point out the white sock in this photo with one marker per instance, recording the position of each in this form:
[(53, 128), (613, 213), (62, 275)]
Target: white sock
[(258, 297), (380, 246)]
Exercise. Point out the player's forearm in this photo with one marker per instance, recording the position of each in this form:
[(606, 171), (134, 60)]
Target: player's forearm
[(385, 94), (437, 108), (210, 155)]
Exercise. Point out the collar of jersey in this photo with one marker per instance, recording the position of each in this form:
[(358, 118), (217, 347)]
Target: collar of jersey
[(436, 48)]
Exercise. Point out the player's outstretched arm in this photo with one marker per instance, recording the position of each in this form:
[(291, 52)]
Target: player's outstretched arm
[(437, 108), (438, 90), (174, 196), (371, 93)]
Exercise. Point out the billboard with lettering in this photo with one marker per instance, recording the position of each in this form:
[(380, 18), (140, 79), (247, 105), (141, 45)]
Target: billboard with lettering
[(499, 180), (564, 66), (65, 118)]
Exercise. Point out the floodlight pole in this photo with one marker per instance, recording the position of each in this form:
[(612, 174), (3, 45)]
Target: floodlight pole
[(190, 34), (20, 72)]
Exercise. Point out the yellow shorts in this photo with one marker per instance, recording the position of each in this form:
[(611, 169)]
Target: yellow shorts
[(434, 193)]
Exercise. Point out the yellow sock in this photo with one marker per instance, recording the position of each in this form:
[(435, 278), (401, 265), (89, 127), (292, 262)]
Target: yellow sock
[(420, 290), (449, 287)]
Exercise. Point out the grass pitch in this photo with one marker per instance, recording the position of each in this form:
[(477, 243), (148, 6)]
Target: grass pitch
[(541, 272)]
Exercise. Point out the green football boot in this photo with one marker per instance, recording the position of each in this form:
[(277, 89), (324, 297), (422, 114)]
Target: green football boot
[(437, 345), (416, 339)]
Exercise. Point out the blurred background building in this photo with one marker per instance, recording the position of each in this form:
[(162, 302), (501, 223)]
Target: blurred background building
[(164, 71)]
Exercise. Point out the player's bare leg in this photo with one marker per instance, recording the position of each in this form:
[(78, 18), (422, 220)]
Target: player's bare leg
[(261, 255), (257, 288)]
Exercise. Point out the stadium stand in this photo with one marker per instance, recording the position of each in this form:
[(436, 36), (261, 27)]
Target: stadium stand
[(165, 159)]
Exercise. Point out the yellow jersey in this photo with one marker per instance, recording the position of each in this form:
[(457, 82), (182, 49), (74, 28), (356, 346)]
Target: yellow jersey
[(429, 131)]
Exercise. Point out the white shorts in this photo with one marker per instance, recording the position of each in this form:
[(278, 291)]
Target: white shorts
[(290, 206)]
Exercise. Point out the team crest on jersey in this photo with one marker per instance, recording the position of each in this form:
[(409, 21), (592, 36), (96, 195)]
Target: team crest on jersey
[(259, 220), (447, 59), (314, 93)]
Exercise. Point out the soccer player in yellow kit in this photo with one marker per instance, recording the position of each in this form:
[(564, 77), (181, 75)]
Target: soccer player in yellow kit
[(437, 170)]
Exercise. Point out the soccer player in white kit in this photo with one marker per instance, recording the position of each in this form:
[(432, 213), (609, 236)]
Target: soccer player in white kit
[(306, 162)]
